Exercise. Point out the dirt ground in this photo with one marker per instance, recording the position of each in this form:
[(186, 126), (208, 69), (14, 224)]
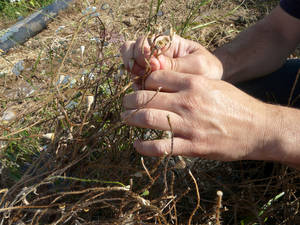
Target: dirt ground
[(76, 176)]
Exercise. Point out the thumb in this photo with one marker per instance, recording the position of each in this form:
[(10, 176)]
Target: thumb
[(186, 64)]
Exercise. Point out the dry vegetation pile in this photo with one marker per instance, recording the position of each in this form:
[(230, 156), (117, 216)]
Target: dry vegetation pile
[(66, 156)]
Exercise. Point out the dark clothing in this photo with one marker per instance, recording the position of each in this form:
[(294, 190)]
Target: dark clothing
[(276, 87), (292, 7)]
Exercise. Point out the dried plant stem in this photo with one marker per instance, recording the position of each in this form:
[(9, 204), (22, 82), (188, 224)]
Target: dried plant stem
[(293, 88), (68, 50), (24, 129), (155, 49), (169, 155), (5, 191), (198, 198), (146, 170), (218, 207), (174, 202)]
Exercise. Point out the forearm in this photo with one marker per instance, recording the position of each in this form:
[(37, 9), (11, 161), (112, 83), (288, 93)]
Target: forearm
[(259, 50), (254, 53)]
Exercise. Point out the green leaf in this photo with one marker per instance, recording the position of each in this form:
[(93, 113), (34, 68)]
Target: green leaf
[(145, 193), (32, 3)]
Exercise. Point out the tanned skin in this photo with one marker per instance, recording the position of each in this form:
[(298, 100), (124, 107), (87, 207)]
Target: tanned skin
[(210, 117)]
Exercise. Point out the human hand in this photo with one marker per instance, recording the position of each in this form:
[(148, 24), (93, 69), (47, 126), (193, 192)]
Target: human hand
[(210, 118), (183, 56)]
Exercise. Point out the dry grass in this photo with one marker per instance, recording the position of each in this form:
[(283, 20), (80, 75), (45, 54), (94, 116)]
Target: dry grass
[(87, 172)]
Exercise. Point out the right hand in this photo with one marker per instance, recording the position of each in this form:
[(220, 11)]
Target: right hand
[(210, 118), (183, 56)]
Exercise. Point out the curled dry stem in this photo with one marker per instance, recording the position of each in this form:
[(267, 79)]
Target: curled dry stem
[(198, 198), (158, 45), (146, 170)]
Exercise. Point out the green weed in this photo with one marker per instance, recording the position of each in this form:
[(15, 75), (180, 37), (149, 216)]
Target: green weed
[(14, 10)]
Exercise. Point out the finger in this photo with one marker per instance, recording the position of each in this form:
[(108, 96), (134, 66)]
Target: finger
[(168, 81), (162, 147), (187, 64), (135, 63), (127, 50), (180, 47), (142, 52), (181, 55), (150, 99), (152, 119)]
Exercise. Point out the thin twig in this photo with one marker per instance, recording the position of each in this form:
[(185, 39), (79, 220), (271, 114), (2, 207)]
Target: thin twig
[(198, 198), (146, 170), (218, 207), (293, 88), (26, 128), (168, 155)]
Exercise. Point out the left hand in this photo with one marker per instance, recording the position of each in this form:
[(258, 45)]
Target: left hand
[(210, 118), (183, 56)]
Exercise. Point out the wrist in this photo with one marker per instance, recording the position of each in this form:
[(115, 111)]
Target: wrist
[(225, 66), (280, 136), (267, 126), (272, 128), (219, 68), (286, 137)]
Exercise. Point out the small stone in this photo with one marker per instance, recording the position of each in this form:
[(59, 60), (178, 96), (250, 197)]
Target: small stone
[(18, 68), (60, 28), (49, 136), (96, 39), (71, 105), (160, 13), (9, 115), (95, 14), (82, 49), (89, 10), (63, 80), (91, 76), (105, 6), (3, 145), (61, 42)]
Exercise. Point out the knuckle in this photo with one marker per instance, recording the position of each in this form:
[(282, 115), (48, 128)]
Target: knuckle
[(174, 64), (141, 98), (156, 73), (154, 77), (190, 82), (187, 104), (162, 148), (148, 118)]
